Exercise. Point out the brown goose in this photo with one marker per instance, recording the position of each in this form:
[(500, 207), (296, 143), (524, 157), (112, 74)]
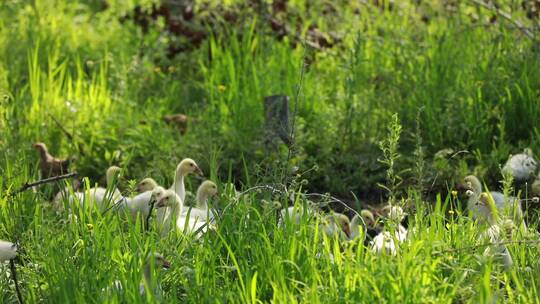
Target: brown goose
[(50, 165)]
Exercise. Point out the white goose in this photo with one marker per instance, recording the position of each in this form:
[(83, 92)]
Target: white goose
[(140, 204), (496, 232), (365, 221), (101, 197), (481, 212), (385, 241), (521, 166), (8, 251), (171, 200), (336, 225), (184, 168), (294, 214)]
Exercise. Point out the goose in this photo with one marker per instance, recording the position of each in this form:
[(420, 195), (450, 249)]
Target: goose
[(147, 184), (497, 232), (48, 164), (155, 260), (8, 251), (64, 193), (184, 168), (206, 190), (365, 220), (140, 204), (521, 166), (183, 223), (386, 241), (180, 120), (294, 214), (100, 196), (336, 225), (480, 211)]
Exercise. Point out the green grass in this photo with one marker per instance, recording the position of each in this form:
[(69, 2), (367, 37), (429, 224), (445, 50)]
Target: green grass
[(453, 83)]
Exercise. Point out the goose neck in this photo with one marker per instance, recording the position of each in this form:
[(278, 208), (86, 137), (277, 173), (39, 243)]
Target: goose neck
[(179, 186)]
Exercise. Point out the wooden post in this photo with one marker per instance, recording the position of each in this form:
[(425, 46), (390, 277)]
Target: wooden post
[(277, 125)]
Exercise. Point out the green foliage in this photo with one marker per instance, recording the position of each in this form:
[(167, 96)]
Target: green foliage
[(465, 91)]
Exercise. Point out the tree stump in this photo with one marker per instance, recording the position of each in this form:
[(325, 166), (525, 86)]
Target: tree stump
[(277, 125)]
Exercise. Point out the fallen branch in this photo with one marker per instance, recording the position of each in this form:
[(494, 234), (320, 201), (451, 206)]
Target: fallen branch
[(27, 185), (527, 32)]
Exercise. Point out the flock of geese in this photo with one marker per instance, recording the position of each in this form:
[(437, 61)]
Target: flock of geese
[(381, 231)]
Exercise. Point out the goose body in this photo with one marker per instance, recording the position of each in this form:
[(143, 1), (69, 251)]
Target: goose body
[(294, 214), (140, 204), (101, 198), (521, 166), (8, 251), (48, 164), (386, 241), (185, 224), (496, 236), (480, 211)]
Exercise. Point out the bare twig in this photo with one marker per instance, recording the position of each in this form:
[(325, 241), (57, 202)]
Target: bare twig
[(334, 200), (295, 112), (526, 31), (15, 281), (57, 122), (27, 185), (67, 133)]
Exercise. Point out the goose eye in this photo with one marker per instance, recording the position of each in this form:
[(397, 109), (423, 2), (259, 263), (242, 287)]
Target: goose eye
[(191, 165)]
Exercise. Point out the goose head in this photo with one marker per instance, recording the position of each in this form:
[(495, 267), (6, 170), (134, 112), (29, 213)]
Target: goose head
[(206, 189), (368, 218), (113, 172), (473, 184), (155, 260), (147, 184), (488, 203), (168, 199), (157, 193), (41, 148), (394, 213), (337, 223), (8, 251), (187, 166), (158, 259)]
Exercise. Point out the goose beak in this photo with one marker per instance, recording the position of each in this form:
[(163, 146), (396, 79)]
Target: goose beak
[(347, 230), (199, 171), (160, 203)]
